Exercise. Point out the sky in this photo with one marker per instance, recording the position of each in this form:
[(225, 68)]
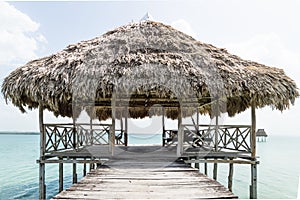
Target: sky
[(266, 31)]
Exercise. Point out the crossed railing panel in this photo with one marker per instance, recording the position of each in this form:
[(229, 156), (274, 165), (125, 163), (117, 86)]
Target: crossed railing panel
[(97, 134), (212, 137), (235, 138), (60, 137)]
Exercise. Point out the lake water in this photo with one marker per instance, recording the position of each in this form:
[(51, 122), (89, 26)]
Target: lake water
[(278, 171)]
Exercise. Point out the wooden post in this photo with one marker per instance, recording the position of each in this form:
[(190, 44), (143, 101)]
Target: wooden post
[(197, 118), (163, 127), (253, 186), (74, 134), (197, 128), (215, 172), (126, 127), (217, 126), (197, 164), (230, 176), (205, 167), (191, 163), (42, 186), (84, 168), (92, 166), (74, 172), (253, 131), (121, 124), (113, 123), (180, 133), (60, 176), (91, 130)]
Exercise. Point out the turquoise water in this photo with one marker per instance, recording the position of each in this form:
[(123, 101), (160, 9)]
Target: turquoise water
[(278, 172)]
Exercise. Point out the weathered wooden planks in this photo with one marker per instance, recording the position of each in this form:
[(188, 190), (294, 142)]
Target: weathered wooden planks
[(145, 176)]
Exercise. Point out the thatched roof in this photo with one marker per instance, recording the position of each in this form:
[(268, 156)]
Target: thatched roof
[(261, 133), (146, 63)]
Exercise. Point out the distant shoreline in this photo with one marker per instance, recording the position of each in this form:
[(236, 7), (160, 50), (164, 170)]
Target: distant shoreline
[(19, 133), (37, 133)]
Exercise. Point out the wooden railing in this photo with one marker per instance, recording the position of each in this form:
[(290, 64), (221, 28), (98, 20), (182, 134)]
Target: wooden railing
[(97, 134), (236, 138), (60, 137), (212, 137)]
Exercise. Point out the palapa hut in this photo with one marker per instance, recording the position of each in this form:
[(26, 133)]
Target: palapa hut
[(123, 58), (136, 67), (261, 135)]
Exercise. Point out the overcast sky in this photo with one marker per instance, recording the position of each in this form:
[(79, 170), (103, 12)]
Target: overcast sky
[(264, 31)]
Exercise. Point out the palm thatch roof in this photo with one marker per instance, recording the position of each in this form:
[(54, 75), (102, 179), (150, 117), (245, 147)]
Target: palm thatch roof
[(261, 133), (145, 64)]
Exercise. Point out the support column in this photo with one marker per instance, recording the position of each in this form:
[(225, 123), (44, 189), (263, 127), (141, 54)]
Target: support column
[(253, 186), (60, 176), (191, 164), (113, 123), (197, 118), (197, 164), (197, 128), (163, 127), (179, 134), (217, 126), (253, 131), (230, 176), (74, 134), (74, 172), (205, 167), (42, 186), (215, 172), (126, 127), (92, 166), (121, 124), (84, 168), (91, 131)]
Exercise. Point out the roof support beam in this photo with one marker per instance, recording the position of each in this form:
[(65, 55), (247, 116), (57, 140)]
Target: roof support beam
[(42, 186), (91, 130), (180, 134), (113, 123), (217, 125), (126, 127), (253, 186), (163, 119), (197, 118), (253, 131)]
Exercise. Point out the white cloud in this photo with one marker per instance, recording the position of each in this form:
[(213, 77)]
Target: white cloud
[(184, 26), (19, 39), (269, 49), (19, 42)]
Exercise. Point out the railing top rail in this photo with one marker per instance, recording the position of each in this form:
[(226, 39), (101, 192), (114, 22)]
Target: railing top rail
[(58, 124), (220, 126), (77, 124), (93, 124)]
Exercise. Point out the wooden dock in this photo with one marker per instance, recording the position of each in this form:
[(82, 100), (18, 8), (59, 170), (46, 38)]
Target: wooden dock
[(145, 173)]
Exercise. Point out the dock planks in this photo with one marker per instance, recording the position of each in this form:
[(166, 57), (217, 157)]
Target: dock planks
[(152, 175)]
